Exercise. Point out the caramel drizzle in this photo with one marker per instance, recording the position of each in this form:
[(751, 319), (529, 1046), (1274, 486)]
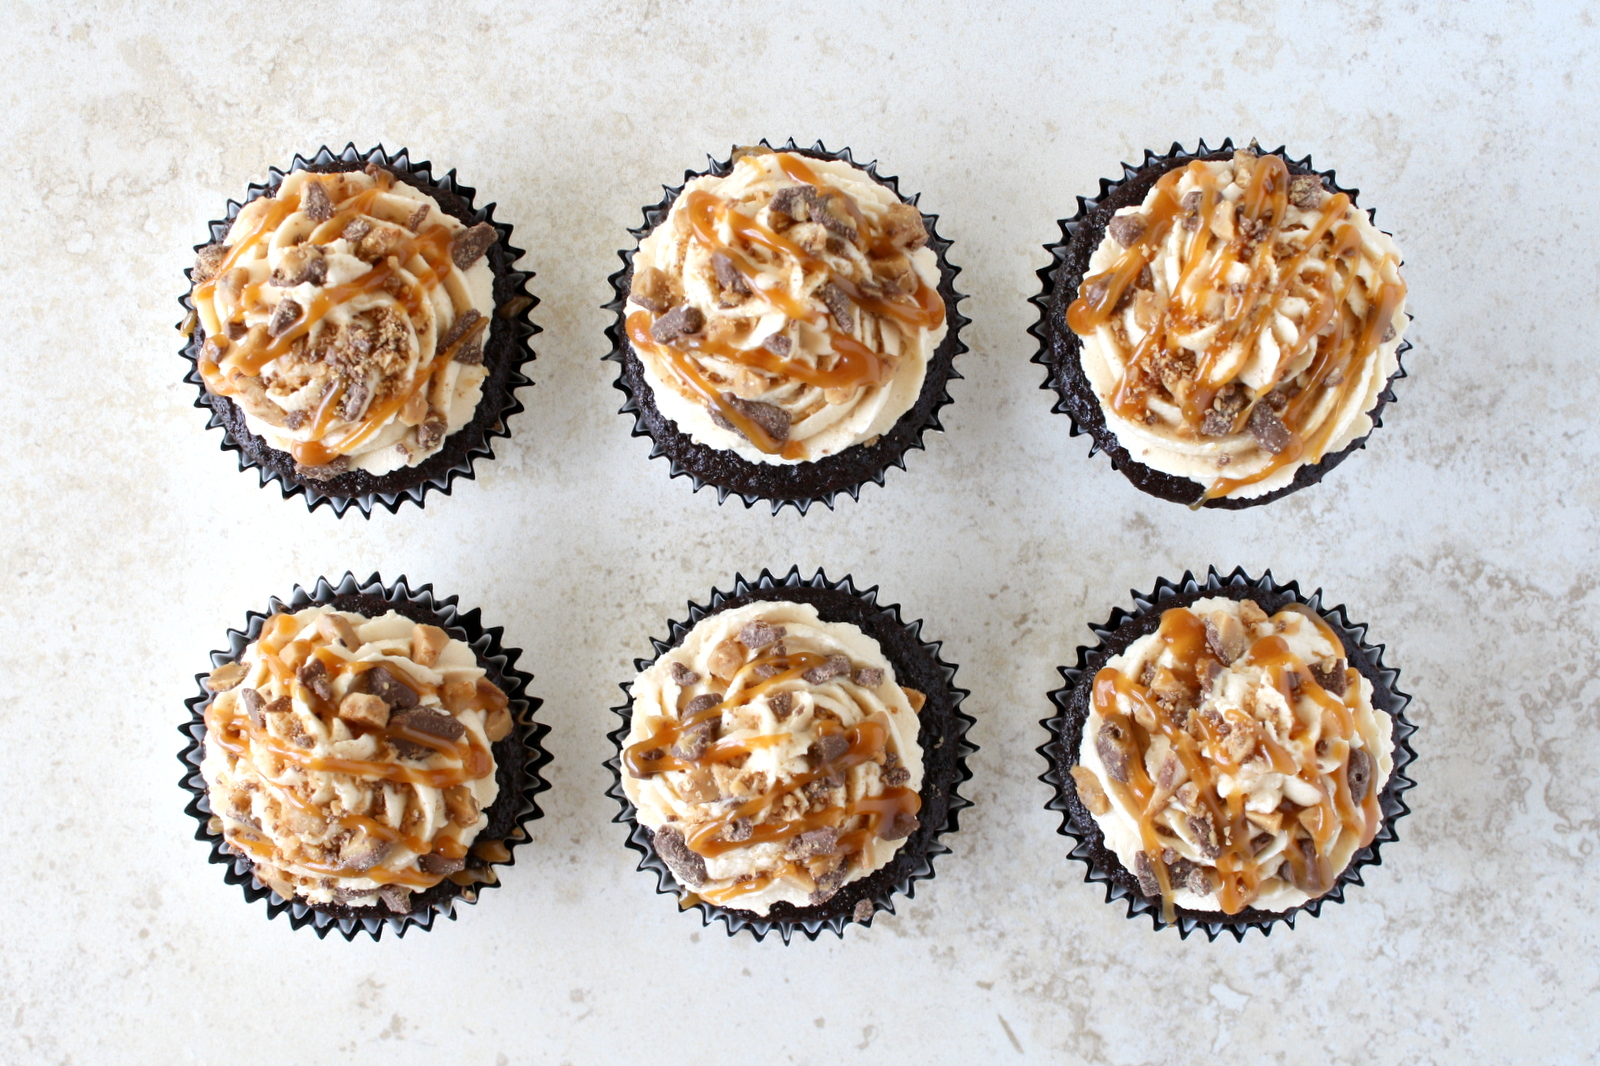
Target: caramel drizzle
[(854, 365), (427, 255), (239, 737), (1265, 201), (1239, 875), (867, 742)]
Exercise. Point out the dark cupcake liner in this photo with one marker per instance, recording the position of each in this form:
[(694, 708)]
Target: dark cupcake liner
[(802, 484), (942, 734), (1120, 631), (1060, 350), (518, 757), (505, 351)]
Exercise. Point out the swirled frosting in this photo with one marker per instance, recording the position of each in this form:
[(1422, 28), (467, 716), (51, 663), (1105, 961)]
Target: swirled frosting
[(774, 756), (1234, 760), (346, 315), (349, 758), (1240, 323), (786, 311)]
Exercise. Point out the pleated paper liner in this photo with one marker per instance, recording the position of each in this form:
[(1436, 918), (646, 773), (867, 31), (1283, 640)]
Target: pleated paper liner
[(518, 758), (1060, 350), (797, 485), (505, 351), (941, 733), (1072, 707)]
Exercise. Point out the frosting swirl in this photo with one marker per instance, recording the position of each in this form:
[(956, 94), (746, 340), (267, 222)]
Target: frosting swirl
[(774, 757), (346, 315), (1240, 323), (350, 759), (1234, 760), (786, 311)]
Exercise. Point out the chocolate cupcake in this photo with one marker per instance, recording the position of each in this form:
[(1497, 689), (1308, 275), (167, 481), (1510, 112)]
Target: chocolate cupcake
[(786, 327), (790, 757), (357, 329), (1230, 755), (1227, 325), (363, 756)]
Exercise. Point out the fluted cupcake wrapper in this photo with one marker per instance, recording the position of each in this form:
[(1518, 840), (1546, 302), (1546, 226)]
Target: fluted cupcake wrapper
[(506, 351), (518, 757), (1072, 702), (941, 733), (796, 485), (1060, 350)]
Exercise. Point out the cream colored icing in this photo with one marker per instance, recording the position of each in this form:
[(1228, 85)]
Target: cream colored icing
[(663, 799), (1243, 692)]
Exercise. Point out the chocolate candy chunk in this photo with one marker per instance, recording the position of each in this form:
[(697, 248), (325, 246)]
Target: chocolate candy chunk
[(903, 825), (1331, 676), (253, 706), (396, 897), (469, 245), (766, 670), (315, 202), (814, 842), (799, 202), (838, 305), (827, 748), (1306, 191), (362, 852), (1145, 872), (430, 433), (284, 316), (680, 322), (692, 743), (209, 260), (383, 684), (1108, 745), (835, 218), (686, 866), (651, 290), (1226, 636), (867, 676), (431, 723), (1205, 835), (896, 777), (682, 675), (356, 229), (737, 830), (418, 218), (828, 884), (757, 635), (327, 470), (434, 863), (1268, 429), (836, 666), (314, 676), (773, 420), (863, 911), (466, 322), (782, 704), (703, 702), (357, 395), (1126, 229), (1358, 773), (778, 344), (728, 275)]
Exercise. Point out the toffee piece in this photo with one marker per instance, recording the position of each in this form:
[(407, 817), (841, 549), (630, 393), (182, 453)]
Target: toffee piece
[(1240, 323), (774, 756), (350, 758)]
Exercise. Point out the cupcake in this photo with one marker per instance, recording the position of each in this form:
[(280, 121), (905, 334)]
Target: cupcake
[(357, 329), (790, 757), (786, 327), (1229, 755), (1225, 324), (364, 757)]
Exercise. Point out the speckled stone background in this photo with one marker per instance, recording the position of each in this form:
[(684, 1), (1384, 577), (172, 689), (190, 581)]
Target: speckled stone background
[(1466, 535)]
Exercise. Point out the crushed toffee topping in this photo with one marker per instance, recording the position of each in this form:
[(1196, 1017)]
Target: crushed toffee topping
[(774, 296), (1243, 306), (339, 315), (349, 759), (1231, 767)]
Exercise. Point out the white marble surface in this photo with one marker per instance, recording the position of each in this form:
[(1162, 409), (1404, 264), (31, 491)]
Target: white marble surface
[(1466, 536)]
